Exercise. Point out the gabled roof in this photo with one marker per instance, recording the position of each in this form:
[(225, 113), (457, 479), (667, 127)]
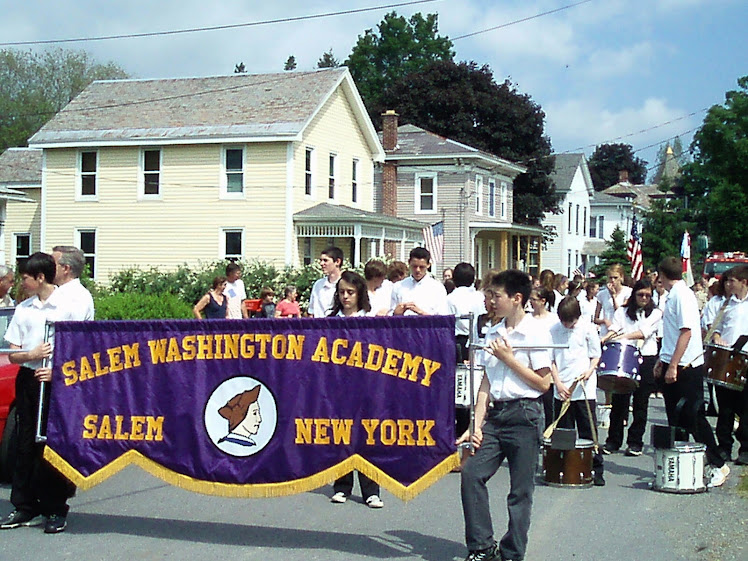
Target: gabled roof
[(565, 168), (640, 195), (601, 199), (415, 143), (236, 108), (341, 213), (21, 167)]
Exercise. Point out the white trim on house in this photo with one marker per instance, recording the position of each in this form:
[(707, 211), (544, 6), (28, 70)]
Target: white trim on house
[(223, 179), (142, 196), (417, 199), (289, 229)]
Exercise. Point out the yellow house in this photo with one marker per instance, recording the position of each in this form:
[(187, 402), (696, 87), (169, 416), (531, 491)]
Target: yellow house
[(20, 210), (164, 172)]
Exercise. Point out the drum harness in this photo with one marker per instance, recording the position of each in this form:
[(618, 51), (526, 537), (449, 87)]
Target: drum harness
[(565, 407)]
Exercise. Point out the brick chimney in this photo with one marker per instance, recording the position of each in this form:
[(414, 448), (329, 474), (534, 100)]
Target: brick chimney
[(623, 176), (389, 168)]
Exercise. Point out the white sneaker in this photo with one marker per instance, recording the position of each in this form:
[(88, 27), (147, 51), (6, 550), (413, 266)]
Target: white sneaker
[(339, 498), (718, 475), (374, 502)]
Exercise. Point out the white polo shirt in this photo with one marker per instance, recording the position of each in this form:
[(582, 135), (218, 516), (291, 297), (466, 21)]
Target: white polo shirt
[(505, 383), (735, 321), (608, 309), (235, 293), (583, 345), (709, 313), (28, 326), (681, 312), (320, 300), (74, 300), (648, 325), (380, 299), (428, 294), (463, 300)]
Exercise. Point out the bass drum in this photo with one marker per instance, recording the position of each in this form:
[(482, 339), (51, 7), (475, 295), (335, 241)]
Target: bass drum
[(725, 367)]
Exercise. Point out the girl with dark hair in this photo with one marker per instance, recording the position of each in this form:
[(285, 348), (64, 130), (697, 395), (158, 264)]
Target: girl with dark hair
[(636, 323), (214, 304), (352, 299)]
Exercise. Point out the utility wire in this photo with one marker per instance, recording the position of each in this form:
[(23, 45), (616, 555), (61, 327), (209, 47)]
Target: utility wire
[(215, 27), (522, 20)]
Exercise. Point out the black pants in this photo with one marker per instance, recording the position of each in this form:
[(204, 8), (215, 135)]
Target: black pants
[(731, 403), (689, 387), (345, 485), (578, 416), (38, 488), (619, 413)]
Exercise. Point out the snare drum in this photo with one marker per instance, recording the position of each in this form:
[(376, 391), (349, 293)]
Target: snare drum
[(462, 384), (725, 367), (680, 469), (568, 468), (618, 370)]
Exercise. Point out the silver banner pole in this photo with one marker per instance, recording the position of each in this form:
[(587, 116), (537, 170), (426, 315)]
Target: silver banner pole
[(43, 388)]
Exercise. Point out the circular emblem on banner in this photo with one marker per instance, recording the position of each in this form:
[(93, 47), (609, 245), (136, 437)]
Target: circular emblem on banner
[(241, 416)]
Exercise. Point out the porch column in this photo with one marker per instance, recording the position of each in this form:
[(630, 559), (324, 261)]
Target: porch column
[(356, 244), (504, 245)]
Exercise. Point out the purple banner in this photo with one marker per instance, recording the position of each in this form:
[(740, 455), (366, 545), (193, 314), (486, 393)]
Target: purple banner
[(255, 407)]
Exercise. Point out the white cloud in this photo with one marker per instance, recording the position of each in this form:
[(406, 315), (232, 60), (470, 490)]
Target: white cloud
[(623, 61)]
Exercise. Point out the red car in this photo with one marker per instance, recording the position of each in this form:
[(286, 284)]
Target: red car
[(8, 374)]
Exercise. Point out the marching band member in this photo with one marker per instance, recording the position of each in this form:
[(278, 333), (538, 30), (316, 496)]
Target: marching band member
[(513, 382), (580, 358), (682, 364), (612, 297), (636, 322), (543, 303), (726, 333), (351, 299)]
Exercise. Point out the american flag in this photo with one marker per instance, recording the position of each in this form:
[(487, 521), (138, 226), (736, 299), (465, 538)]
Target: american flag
[(434, 238), (634, 251)]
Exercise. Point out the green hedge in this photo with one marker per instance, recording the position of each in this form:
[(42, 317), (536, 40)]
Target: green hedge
[(142, 306)]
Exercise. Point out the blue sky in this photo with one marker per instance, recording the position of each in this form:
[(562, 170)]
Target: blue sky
[(601, 70)]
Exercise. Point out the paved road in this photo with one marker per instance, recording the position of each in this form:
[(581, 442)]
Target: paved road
[(134, 517)]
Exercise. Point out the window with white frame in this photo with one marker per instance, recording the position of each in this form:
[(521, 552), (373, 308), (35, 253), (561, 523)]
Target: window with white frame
[(308, 172), (571, 215), (331, 177), (577, 220), (478, 194), (354, 181), (568, 261), (491, 258), (584, 222), (504, 199), (151, 173), (87, 242), (593, 226), (232, 240), (600, 227), (425, 190), (233, 163), (89, 167), (22, 247), (491, 197), (308, 257)]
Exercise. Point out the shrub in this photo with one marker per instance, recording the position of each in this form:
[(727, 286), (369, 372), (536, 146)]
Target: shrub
[(135, 305)]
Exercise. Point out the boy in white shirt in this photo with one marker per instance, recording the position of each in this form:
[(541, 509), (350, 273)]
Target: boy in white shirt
[(579, 359), (513, 383), (323, 291)]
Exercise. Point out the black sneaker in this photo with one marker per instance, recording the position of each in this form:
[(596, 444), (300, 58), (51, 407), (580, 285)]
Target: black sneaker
[(490, 554), (633, 451), (55, 524), (19, 518), (608, 450), (598, 480), (742, 459)]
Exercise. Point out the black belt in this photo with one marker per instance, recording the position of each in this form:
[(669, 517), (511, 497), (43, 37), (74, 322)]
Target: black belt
[(500, 404)]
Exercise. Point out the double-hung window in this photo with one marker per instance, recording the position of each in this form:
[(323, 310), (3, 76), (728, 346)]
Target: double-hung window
[(233, 169), (504, 199), (87, 243), (151, 180), (308, 171), (492, 197), (354, 181), (425, 191), (22, 247), (232, 244), (89, 167), (478, 194), (331, 178)]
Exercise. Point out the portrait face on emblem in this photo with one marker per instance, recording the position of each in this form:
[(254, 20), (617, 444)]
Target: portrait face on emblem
[(241, 416)]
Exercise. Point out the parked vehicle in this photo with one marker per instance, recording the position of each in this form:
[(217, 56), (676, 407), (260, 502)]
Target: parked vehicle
[(8, 374), (721, 262)]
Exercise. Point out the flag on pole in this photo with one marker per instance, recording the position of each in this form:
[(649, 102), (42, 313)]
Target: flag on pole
[(634, 251), (434, 238), (685, 255)]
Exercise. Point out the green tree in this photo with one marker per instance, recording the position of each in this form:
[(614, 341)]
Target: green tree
[(662, 230), (290, 63), (615, 252), (399, 47), (609, 159), (328, 60), (716, 182), (35, 86), (463, 102)]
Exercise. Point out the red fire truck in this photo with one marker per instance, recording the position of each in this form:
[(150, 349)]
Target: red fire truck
[(720, 262)]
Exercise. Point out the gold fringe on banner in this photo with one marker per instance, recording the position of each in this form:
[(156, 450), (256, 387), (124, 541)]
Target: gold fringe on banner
[(260, 490)]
